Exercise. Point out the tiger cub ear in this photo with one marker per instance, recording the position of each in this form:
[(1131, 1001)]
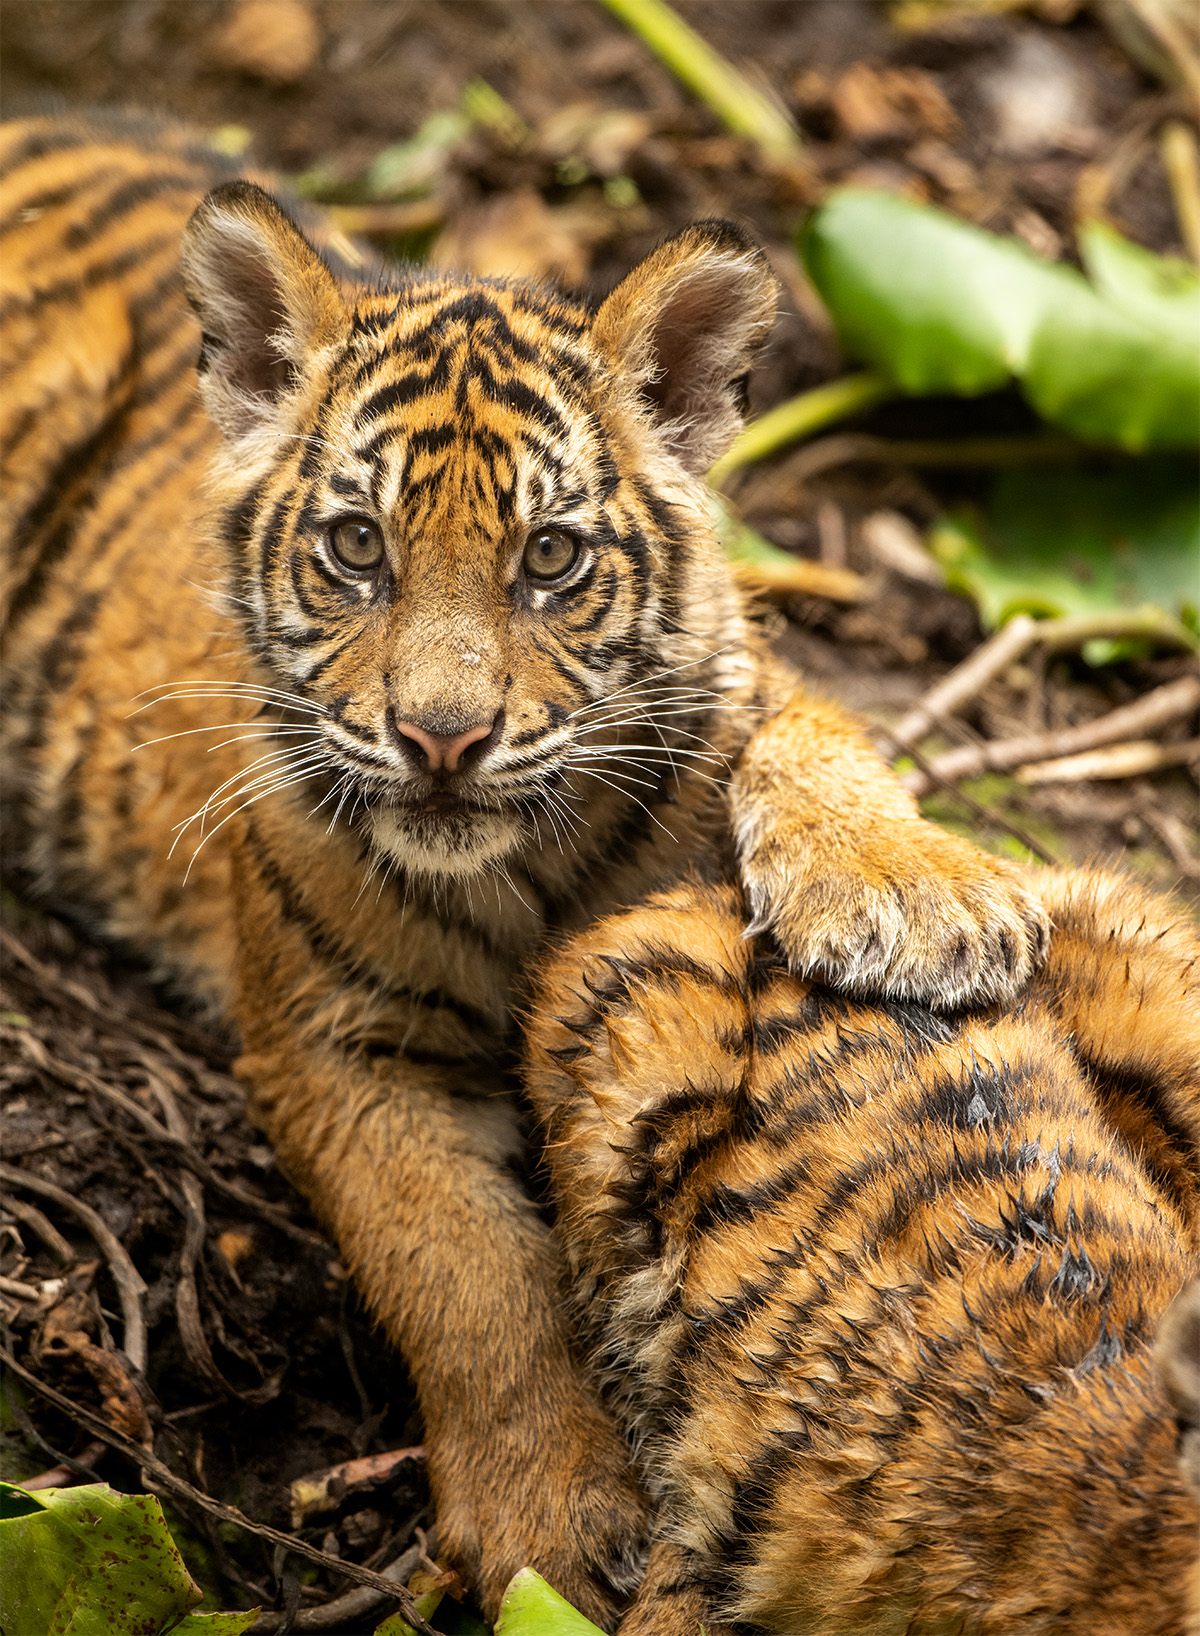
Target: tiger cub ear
[(266, 302), (682, 330)]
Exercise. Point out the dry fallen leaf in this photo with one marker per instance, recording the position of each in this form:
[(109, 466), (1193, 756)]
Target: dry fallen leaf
[(517, 235), (272, 39), (872, 103)]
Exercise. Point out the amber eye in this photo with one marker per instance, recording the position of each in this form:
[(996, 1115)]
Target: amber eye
[(357, 543), (549, 553)]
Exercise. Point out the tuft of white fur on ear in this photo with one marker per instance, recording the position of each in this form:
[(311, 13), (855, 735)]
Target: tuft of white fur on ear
[(682, 329), (267, 305)]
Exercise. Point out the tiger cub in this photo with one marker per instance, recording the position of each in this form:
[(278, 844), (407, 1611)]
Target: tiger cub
[(876, 1291), (407, 603)]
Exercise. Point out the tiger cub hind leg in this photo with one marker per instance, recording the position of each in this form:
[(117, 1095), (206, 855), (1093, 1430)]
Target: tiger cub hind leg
[(885, 1299)]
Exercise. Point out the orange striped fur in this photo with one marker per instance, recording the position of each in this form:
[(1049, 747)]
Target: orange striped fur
[(345, 668), (875, 1291)]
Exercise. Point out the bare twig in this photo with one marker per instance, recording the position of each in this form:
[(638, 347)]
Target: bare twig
[(1165, 22), (1177, 144), (1116, 761), (163, 1475), (128, 1280), (319, 1491), (65, 1475), (187, 1296), (967, 680), (1173, 834), (181, 1148), (986, 814), (134, 1019), (20, 1291), (1155, 709), (350, 1607), (45, 1229)]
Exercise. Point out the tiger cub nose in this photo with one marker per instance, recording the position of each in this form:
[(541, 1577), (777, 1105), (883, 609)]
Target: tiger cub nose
[(443, 751)]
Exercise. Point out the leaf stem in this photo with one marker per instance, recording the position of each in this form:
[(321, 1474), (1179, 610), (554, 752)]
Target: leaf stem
[(737, 103), (1177, 145), (800, 417)]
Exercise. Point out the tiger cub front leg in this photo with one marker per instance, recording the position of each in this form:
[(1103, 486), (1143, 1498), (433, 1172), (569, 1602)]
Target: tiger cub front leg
[(860, 891), (412, 1175)]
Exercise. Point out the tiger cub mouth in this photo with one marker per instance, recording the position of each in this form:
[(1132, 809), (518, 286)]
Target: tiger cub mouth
[(444, 832)]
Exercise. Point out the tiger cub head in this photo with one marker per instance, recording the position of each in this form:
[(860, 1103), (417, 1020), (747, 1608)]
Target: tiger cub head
[(465, 523)]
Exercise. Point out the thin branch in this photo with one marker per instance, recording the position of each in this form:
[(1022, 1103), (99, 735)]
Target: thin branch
[(128, 1280), (1125, 760), (44, 1228), (1156, 709), (163, 1474), (1177, 144), (967, 680), (985, 814), (345, 1609)]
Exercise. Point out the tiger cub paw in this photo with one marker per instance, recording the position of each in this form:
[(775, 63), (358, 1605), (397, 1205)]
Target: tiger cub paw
[(564, 1501), (922, 916)]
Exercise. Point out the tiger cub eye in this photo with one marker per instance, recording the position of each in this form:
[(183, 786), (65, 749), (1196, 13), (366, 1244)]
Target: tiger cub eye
[(357, 543), (549, 553)]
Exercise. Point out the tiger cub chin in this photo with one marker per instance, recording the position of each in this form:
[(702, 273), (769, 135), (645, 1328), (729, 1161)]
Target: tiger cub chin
[(889, 1304), (364, 627)]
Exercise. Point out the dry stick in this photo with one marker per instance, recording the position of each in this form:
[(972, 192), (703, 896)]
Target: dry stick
[(967, 679), (187, 1296), (45, 1229), (125, 1275), (1170, 33), (1155, 709), (1177, 144), (20, 1291), (345, 1609), (183, 1150), (1013, 641), (133, 1019), (226, 1513), (1171, 831), (985, 814), (1117, 761)]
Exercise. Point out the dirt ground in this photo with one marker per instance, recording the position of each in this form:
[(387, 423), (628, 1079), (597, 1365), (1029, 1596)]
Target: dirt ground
[(260, 1366)]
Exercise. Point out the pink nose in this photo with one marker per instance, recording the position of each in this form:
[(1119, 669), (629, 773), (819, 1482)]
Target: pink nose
[(441, 749)]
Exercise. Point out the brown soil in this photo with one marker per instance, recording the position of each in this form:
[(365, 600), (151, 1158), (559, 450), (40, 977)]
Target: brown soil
[(278, 1373)]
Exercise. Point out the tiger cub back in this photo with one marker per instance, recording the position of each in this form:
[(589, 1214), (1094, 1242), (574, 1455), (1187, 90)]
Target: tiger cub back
[(876, 1292)]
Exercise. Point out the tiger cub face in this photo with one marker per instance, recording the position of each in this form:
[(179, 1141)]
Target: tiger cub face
[(464, 522)]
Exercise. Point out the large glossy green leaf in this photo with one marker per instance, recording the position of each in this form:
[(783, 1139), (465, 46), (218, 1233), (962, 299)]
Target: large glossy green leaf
[(1075, 541), (937, 305), (88, 1561)]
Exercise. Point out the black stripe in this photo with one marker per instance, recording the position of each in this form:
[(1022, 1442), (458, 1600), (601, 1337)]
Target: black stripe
[(325, 945)]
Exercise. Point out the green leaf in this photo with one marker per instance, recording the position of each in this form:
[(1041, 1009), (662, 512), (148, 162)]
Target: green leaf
[(1059, 542), (88, 1561), (412, 168), (396, 1624), (531, 1608), (936, 305)]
